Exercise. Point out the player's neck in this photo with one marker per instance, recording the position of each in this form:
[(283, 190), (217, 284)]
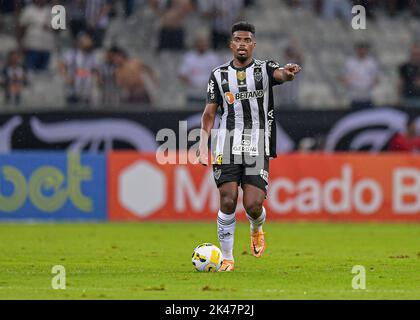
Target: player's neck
[(239, 64)]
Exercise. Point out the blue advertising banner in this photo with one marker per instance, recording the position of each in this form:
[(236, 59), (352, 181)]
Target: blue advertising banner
[(52, 186)]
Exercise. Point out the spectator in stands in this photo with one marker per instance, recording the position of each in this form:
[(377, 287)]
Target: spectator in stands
[(223, 15), (132, 75), (13, 78), (80, 70), (195, 68), (108, 84), (76, 12), (129, 7), (173, 14), (314, 5), (288, 94), (408, 141), (36, 36), (409, 82), (395, 6), (341, 8), (97, 18), (360, 76), (8, 6)]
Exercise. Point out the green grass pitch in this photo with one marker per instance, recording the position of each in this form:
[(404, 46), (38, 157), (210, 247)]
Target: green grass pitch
[(153, 261)]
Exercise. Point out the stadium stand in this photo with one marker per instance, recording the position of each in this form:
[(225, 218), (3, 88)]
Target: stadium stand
[(325, 43)]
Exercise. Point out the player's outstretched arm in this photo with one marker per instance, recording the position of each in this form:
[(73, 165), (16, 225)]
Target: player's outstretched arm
[(207, 123), (287, 73)]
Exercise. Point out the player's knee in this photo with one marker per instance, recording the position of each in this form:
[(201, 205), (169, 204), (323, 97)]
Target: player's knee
[(254, 208), (228, 203)]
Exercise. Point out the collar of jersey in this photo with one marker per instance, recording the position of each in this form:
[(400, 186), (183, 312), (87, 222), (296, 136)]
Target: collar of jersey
[(243, 68)]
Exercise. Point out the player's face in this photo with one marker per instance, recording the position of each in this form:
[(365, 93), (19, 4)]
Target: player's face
[(242, 45)]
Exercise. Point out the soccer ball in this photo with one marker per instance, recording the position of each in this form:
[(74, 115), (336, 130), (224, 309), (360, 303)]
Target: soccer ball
[(207, 258)]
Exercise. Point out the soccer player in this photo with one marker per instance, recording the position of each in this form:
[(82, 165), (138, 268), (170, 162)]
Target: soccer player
[(245, 140)]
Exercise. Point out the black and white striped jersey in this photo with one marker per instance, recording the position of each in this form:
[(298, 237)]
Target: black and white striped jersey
[(245, 96)]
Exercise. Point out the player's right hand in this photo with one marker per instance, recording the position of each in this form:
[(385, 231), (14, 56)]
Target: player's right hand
[(202, 157)]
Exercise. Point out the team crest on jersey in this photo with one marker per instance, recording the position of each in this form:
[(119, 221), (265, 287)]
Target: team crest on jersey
[(241, 75), (258, 76)]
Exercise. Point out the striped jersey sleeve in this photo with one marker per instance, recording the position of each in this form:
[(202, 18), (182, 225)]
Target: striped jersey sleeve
[(213, 92), (271, 67)]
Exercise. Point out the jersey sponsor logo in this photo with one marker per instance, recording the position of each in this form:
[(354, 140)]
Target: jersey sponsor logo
[(273, 65), (231, 98)]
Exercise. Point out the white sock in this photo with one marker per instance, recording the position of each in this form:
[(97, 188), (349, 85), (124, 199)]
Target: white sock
[(256, 224), (226, 224)]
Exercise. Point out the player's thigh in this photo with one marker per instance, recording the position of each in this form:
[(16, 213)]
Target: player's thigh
[(256, 174), (227, 178)]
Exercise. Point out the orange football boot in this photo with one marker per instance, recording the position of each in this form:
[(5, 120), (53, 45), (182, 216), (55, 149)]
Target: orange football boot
[(257, 244), (227, 266)]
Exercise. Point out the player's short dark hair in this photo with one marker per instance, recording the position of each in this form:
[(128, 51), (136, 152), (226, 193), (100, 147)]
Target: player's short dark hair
[(243, 26)]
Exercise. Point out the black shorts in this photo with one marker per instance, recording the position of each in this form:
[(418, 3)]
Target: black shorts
[(255, 174)]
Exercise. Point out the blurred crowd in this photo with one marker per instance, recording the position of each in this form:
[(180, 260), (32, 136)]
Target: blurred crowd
[(342, 8), (125, 79)]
